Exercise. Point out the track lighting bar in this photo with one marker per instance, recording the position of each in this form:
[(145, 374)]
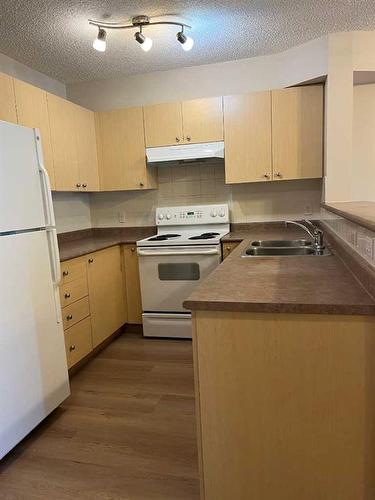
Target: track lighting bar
[(139, 22)]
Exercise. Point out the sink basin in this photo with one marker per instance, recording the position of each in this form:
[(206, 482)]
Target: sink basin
[(281, 243), (283, 251)]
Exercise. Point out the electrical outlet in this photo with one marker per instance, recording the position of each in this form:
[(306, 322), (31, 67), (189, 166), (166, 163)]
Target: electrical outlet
[(121, 217)]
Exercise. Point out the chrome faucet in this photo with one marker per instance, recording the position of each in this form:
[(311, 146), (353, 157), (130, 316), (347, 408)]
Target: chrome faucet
[(314, 232)]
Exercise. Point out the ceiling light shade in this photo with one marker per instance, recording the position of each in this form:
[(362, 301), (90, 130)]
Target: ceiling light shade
[(100, 42), (144, 41), (185, 41)]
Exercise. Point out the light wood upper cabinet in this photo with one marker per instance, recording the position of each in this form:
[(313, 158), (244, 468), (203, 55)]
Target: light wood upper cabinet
[(106, 291), (203, 120), (133, 289), (163, 124), (32, 111), (199, 120), (122, 158), (64, 145), (297, 132), (247, 131), (86, 149), (8, 111)]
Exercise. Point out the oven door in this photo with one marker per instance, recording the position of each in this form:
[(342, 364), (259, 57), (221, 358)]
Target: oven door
[(169, 274)]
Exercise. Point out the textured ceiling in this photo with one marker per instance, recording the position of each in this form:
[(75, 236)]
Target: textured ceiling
[(53, 36)]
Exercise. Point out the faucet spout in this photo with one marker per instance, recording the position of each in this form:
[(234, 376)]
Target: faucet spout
[(315, 233)]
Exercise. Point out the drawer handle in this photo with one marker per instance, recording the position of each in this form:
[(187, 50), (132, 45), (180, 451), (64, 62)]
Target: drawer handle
[(67, 295), (132, 249), (65, 273), (72, 348), (69, 317), (91, 260)]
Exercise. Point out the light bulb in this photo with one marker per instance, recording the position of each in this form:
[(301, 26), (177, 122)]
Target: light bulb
[(185, 41), (188, 45), (144, 41), (99, 42)]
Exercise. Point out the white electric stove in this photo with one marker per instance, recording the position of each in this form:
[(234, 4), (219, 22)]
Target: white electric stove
[(176, 260)]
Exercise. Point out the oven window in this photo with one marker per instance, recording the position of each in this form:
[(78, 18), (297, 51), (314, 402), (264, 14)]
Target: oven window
[(182, 272)]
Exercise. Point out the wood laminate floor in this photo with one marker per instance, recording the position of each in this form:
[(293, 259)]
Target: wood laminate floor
[(126, 432)]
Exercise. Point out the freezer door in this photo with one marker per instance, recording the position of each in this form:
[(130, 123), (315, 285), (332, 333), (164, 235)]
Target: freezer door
[(21, 197), (33, 368)]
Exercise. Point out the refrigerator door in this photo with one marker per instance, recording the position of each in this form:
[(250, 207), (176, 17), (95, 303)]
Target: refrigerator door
[(22, 204), (33, 367)]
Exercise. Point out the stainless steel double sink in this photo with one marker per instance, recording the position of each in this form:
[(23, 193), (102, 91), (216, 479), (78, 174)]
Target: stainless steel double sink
[(271, 248)]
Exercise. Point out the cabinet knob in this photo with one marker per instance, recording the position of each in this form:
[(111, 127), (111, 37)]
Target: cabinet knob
[(65, 273), (132, 249), (228, 248), (141, 184), (72, 348), (177, 139), (67, 295), (69, 317), (91, 260), (84, 185), (78, 184), (266, 176), (188, 138), (278, 174)]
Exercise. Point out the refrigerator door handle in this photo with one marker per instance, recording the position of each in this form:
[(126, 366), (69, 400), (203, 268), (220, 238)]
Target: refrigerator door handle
[(53, 249), (46, 185)]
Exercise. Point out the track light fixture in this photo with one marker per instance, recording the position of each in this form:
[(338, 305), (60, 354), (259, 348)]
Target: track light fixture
[(139, 22), (100, 42)]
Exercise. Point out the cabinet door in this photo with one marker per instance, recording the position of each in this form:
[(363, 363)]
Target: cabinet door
[(64, 146), (203, 120), (7, 99), (297, 132), (123, 156), (106, 291), (163, 124), (86, 149), (32, 111), (247, 131), (133, 290)]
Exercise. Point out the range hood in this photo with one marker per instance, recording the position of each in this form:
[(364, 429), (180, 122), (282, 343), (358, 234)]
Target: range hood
[(185, 152)]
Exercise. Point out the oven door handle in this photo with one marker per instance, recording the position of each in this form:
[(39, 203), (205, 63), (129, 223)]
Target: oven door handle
[(159, 253)]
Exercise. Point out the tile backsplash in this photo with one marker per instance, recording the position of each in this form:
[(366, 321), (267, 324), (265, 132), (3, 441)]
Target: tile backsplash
[(360, 239), (203, 183)]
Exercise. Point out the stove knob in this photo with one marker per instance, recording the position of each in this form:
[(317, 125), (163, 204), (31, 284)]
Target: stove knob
[(160, 216), (168, 216), (213, 213), (222, 213)]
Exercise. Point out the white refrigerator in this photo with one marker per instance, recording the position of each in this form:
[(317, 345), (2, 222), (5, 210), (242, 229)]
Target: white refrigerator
[(33, 368)]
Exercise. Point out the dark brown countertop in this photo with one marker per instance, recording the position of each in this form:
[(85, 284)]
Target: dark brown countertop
[(360, 212), (298, 284), (79, 243)]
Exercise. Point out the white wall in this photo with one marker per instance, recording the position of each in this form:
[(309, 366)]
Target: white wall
[(72, 211), (296, 65), (363, 169), (18, 70)]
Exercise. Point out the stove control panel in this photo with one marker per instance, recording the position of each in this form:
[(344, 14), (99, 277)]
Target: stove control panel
[(197, 214)]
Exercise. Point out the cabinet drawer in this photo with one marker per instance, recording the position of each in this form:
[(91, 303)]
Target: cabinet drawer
[(73, 291), (75, 312), (228, 247), (72, 270), (78, 342)]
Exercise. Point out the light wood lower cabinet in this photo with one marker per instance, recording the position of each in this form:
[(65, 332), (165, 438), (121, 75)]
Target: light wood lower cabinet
[(132, 285), (99, 293), (78, 341), (107, 293)]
